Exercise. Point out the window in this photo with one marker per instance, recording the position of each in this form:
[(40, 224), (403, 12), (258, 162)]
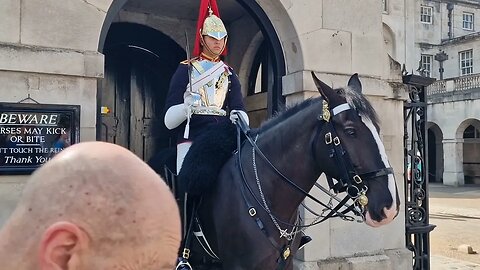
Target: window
[(426, 14), (468, 21), (466, 62), (471, 133), (427, 64)]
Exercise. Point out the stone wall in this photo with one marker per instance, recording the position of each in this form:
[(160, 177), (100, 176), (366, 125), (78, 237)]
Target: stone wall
[(48, 51)]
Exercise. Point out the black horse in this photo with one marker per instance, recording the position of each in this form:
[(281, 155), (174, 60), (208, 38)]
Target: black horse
[(250, 215)]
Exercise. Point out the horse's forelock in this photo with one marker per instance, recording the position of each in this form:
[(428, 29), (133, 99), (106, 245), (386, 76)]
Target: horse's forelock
[(360, 103)]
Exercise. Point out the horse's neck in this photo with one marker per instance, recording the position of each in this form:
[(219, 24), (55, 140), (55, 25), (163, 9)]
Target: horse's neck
[(287, 146)]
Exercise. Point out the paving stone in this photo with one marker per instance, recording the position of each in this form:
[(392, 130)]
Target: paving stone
[(445, 263)]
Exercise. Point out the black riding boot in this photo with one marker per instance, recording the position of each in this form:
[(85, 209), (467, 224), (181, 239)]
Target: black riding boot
[(188, 210), (304, 240)]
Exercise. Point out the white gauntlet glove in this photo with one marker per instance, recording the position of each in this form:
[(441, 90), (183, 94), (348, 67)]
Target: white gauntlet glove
[(176, 114), (188, 99), (235, 114)]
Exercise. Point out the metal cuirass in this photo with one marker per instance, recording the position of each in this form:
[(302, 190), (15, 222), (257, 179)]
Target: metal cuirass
[(209, 87)]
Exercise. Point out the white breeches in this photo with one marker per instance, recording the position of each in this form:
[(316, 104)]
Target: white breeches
[(182, 150)]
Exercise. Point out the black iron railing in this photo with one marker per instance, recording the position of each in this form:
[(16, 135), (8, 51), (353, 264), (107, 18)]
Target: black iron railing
[(416, 171)]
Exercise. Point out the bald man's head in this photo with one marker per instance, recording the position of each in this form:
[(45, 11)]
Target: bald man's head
[(100, 205)]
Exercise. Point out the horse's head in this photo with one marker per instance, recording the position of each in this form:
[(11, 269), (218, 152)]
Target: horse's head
[(358, 159)]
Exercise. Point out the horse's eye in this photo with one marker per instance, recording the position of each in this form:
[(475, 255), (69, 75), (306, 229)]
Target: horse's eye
[(351, 131)]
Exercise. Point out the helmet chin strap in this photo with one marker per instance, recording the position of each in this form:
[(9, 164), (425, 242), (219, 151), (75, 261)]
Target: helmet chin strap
[(216, 56)]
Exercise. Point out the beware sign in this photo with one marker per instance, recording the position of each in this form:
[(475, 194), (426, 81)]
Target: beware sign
[(31, 134)]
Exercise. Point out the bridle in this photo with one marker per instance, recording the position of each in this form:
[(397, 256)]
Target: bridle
[(350, 181)]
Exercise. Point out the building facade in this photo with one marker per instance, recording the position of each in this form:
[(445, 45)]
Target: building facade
[(446, 43), (114, 58)]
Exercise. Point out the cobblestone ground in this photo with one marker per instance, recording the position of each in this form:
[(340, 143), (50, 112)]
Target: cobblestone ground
[(456, 212)]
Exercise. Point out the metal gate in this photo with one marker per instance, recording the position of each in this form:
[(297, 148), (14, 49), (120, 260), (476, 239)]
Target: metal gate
[(416, 171)]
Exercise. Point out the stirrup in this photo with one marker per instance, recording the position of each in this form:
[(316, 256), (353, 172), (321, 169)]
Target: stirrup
[(183, 264), (304, 241)]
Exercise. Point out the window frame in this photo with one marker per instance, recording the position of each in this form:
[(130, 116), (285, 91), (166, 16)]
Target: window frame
[(426, 15), (471, 130), (465, 64), (472, 22), (428, 71)]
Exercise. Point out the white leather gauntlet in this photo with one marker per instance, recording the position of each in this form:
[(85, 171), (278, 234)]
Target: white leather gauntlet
[(175, 115), (234, 114)]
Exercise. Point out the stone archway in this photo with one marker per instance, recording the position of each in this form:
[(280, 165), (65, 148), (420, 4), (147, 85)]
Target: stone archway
[(435, 153), (468, 133), (272, 20), (174, 19)]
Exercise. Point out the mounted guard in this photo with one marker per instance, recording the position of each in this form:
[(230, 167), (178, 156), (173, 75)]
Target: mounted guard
[(203, 91)]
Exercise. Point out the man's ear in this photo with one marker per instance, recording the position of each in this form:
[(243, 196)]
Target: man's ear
[(61, 245)]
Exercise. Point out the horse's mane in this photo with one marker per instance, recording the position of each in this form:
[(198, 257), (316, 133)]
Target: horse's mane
[(287, 113), (355, 99)]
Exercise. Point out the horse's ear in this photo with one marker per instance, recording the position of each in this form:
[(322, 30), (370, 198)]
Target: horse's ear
[(326, 91), (355, 83)]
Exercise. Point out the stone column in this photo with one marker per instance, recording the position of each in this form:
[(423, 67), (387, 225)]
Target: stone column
[(453, 158), (439, 168)]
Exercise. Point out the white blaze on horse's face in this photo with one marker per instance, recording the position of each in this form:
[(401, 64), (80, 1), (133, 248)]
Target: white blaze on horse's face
[(390, 213)]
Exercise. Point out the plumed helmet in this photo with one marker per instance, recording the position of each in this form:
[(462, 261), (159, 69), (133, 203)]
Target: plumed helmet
[(209, 24), (214, 27)]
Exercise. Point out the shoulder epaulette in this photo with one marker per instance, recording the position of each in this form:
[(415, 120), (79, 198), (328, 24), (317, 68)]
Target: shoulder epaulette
[(187, 61), (230, 67)]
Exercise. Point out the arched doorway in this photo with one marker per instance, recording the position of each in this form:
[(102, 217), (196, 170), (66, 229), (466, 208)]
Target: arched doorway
[(471, 152), (435, 154), (139, 62), (172, 18)]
